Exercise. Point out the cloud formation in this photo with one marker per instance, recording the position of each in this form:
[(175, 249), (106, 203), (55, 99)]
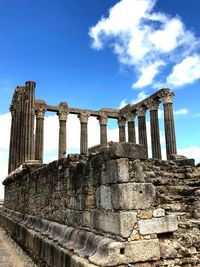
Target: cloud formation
[(149, 42), (139, 98)]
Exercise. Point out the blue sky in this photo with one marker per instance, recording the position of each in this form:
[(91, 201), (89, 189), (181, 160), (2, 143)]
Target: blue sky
[(103, 53)]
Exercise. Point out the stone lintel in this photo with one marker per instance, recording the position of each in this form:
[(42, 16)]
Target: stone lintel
[(133, 107)]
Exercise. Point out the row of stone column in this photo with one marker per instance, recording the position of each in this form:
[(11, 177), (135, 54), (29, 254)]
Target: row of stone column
[(152, 106), (62, 116), (22, 126), (140, 112)]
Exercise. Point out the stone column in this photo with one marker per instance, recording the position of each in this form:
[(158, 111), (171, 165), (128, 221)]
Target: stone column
[(122, 129), (142, 132), (154, 126), (170, 138), (12, 140), (29, 120), (131, 127), (22, 127), (83, 116), (18, 130), (62, 114), (39, 135), (103, 129)]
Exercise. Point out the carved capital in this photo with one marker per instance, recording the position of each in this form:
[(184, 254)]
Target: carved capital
[(130, 116), (167, 97), (141, 111), (39, 112), (122, 122), (153, 104), (103, 118), (83, 116), (63, 111)]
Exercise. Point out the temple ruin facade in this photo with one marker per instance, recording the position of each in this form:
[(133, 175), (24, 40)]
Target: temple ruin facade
[(27, 139), (112, 204)]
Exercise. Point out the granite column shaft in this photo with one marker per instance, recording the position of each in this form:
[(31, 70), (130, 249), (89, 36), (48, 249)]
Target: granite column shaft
[(39, 136), (170, 137), (122, 129), (103, 129), (131, 128), (84, 132), (142, 132), (155, 132)]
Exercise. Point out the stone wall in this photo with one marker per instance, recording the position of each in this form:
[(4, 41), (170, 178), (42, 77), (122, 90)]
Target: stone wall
[(113, 209)]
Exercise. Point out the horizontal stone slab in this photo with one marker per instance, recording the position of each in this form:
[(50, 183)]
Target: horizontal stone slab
[(158, 225), (121, 253), (130, 196), (124, 150), (118, 223)]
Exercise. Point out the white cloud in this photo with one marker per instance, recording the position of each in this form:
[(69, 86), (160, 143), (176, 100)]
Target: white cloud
[(144, 39), (139, 97), (186, 71), (191, 152), (147, 74), (123, 103), (182, 111)]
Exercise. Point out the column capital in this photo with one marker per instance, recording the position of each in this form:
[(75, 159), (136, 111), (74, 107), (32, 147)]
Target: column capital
[(103, 118), (83, 116), (40, 111), (130, 116), (121, 122), (63, 111), (167, 97), (153, 104), (141, 111)]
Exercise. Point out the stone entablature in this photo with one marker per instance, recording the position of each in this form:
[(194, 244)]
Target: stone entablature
[(113, 209)]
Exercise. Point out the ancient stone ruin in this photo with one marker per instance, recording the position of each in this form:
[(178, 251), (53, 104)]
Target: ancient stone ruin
[(109, 206)]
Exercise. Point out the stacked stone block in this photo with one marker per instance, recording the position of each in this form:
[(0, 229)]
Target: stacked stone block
[(119, 205)]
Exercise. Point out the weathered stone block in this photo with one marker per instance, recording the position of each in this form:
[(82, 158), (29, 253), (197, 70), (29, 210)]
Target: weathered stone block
[(145, 214), (132, 196), (124, 150), (90, 202), (167, 251), (103, 197), (117, 171), (115, 253), (87, 219), (159, 213), (120, 223), (142, 250), (158, 225)]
